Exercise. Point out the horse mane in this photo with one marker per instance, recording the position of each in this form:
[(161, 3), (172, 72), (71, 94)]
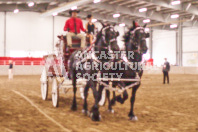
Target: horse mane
[(98, 36), (127, 35)]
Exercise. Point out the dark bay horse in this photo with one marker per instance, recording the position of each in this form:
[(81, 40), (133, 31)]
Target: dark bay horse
[(135, 43), (106, 41)]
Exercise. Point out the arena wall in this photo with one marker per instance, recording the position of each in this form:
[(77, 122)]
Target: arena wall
[(190, 47), (164, 46), (1, 34), (29, 32), (37, 70)]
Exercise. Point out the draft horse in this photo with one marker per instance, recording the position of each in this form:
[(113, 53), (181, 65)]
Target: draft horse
[(106, 41), (135, 41)]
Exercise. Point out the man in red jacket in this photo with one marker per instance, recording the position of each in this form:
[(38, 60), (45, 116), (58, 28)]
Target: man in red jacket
[(74, 25)]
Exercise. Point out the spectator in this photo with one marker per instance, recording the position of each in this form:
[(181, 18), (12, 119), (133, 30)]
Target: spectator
[(10, 70), (166, 69)]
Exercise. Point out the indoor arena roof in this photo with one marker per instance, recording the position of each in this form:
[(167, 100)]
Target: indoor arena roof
[(157, 13)]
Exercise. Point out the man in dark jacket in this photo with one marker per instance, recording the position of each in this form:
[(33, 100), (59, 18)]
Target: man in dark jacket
[(166, 69)]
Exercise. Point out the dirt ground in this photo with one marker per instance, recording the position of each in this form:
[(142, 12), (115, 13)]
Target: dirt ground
[(159, 108)]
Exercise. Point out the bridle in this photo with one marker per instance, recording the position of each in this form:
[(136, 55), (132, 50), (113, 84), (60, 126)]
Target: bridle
[(102, 35), (135, 41)]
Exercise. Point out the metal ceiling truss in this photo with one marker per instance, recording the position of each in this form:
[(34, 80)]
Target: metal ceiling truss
[(129, 10)]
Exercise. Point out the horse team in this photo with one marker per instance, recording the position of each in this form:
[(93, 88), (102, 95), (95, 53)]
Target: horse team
[(106, 62)]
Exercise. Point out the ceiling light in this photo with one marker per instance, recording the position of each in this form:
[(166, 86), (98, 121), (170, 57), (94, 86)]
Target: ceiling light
[(94, 20), (53, 3), (176, 2), (31, 4), (19, 2), (55, 14), (122, 24), (175, 16), (173, 26), (74, 8), (146, 21), (9, 2), (16, 10), (116, 15), (142, 9), (96, 1)]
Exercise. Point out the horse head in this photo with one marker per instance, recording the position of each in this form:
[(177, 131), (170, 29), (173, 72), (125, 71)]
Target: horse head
[(106, 39), (135, 41)]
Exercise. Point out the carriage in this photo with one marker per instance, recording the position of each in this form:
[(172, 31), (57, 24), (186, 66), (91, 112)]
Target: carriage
[(61, 66), (55, 70)]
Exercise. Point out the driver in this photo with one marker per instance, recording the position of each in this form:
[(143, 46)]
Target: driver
[(74, 25)]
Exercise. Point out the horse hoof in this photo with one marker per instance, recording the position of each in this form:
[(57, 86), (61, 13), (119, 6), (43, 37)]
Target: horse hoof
[(74, 108), (111, 111), (86, 112), (113, 103), (95, 118), (133, 118)]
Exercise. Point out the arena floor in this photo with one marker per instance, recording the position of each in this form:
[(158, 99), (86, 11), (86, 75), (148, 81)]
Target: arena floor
[(159, 108)]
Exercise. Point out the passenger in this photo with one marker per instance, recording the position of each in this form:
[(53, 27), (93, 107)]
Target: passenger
[(90, 27), (74, 25)]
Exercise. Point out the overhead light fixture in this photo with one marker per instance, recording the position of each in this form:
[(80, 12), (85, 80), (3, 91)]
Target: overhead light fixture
[(176, 2), (116, 15), (16, 10), (9, 2), (96, 1), (146, 21), (94, 20), (74, 8), (142, 9), (174, 16), (173, 26), (55, 14), (19, 2), (122, 24), (53, 3), (31, 4), (146, 29)]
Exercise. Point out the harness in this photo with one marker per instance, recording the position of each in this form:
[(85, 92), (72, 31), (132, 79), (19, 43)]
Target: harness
[(121, 89), (109, 64), (135, 41)]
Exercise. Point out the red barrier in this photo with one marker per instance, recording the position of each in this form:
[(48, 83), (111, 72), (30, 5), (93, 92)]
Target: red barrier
[(149, 62), (21, 61)]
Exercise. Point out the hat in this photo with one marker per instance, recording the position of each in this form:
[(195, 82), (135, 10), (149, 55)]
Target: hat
[(70, 12), (89, 16)]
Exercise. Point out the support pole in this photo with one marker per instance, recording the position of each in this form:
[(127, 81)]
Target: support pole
[(53, 33), (4, 33), (151, 43), (179, 46)]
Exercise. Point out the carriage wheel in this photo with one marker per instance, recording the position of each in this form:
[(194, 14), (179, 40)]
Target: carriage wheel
[(44, 84), (55, 92), (103, 98)]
